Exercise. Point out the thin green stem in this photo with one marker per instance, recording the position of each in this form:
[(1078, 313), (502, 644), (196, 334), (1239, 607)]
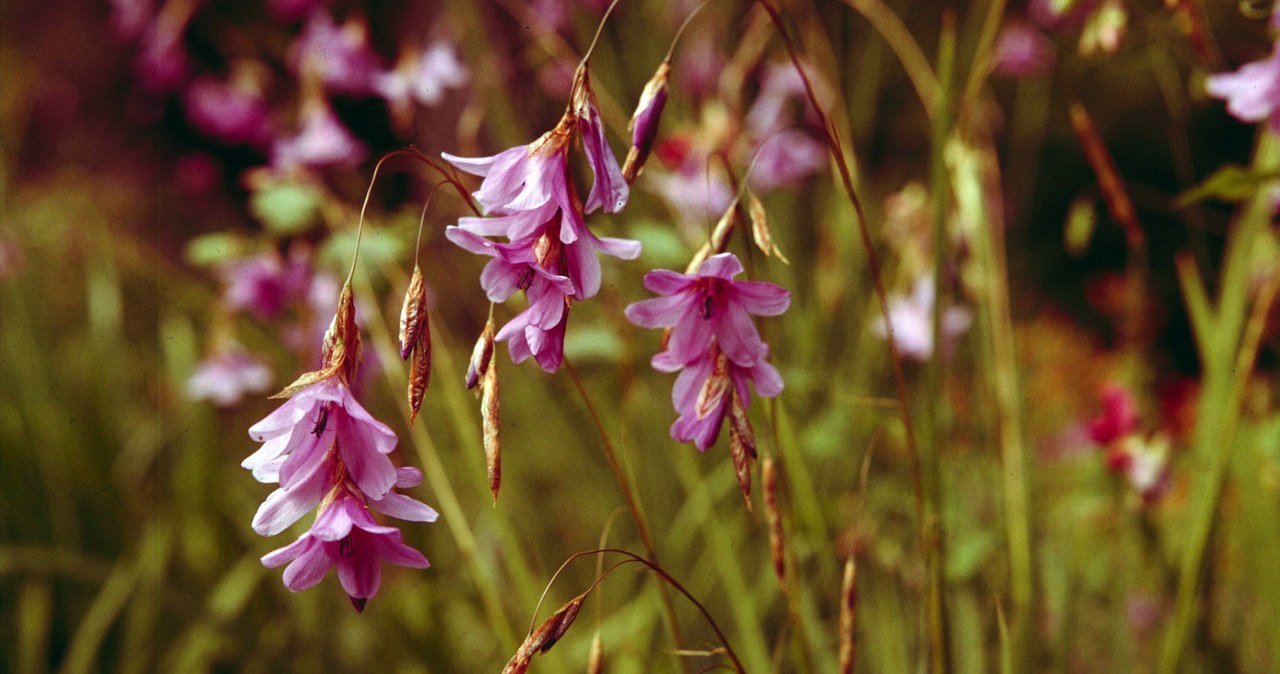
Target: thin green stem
[(633, 504)]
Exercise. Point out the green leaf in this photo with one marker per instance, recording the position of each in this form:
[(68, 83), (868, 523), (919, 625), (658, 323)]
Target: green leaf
[(1231, 183), (210, 249), (286, 208)]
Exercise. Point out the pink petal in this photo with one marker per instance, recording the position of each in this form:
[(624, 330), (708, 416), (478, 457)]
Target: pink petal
[(309, 568), (284, 507), (666, 282), (623, 249), (393, 549), (724, 265), (760, 298), (359, 571), (288, 553), (736, 332), (403, 507), (408, 476), (659, 312)]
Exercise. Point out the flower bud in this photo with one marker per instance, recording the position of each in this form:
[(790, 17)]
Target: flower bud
[(644, 123)]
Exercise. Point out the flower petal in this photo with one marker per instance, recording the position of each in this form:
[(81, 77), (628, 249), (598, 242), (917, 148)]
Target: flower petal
[(760, 298), (403, 507), (309, 568), (723, 265)]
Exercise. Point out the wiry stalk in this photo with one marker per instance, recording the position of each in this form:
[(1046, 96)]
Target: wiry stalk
[(633, 504)]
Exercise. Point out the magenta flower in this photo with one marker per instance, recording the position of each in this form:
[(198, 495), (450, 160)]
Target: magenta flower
[(609, 190), (1252, 93), (162, 64), (227, 110), (225, 377), (706, 305), (1119, 415), (713, 341)]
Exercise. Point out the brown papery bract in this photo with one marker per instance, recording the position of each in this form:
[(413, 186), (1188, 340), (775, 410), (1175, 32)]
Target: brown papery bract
[(413, 315), (760, 228), (742, 445), (420, 370), (490, 425), (848, 615), (545, 636), (769, 471)]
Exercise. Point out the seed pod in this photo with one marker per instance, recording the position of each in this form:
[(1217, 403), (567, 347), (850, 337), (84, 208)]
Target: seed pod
[(848, 614), (644, 123), (489, 424), (420, 369), (480, 355), (770, 477), (550, 631), (742, 445), (413, 315), (760, 228)]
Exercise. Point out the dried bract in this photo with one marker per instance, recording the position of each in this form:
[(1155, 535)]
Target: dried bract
[(413, 315), (848, 615), (480, 355), (490, 424), (742, 445), (420, 370), (769, 474), (760, 228)]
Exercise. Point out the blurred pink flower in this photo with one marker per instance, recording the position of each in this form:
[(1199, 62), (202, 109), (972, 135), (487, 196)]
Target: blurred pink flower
[(1144, 462), (707, 306), (422, 77), (1119, 415), (912, 320), (321, 142), (162, 64), (227, 376), (265, 284), (786, 158), (227, 110), (1021, 51), (341, 55), (292, 10), (1252, 92), (130, 17)]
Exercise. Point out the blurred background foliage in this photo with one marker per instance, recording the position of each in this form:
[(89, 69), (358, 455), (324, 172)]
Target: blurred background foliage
[(124, 515)]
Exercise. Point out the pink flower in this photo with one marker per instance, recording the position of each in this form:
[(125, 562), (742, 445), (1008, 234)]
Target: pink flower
[(265, 285), (1119, 415), (549, 252), (163, 63), (912, 320), (325, 450), (1022, 51), (346, 535), (342, 54), (228, 111), (1252, 92), (713, 341), (786, 158), (422, 77), (709, 304), (225, 377), (321, 142), (702, 393)]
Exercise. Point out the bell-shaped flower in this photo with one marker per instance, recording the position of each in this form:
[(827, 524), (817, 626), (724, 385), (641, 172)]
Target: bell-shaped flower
[(1252, 93), (702, 393), (704, 305)]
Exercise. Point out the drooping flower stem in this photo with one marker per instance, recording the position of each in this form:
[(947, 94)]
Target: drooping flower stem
[(633, 504), (596, 38), (666, 578)]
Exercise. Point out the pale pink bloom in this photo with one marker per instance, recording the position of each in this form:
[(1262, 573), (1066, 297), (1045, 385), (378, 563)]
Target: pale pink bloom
[(422, 77), (701, 393), (1021, 51), (786, 158), (345, 535), (322, 141), (229, 111), (708, 304), (227, 376), (609, 190), (912, 320), (342, 54), (1252, 92)]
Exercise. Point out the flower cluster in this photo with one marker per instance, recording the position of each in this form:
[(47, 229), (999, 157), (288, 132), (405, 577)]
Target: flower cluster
[(713, 341), (530, 200), (327, 453), (1142, 459)]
